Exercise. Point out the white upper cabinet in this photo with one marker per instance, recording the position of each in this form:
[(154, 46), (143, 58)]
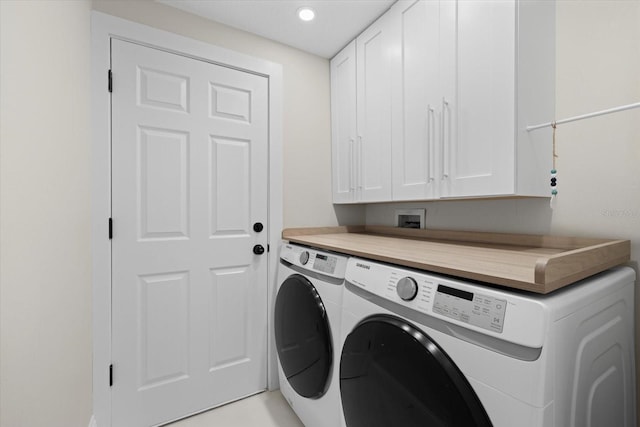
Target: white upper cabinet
[(498, 76), (460, 79), (415, 98), (361, 117), (374, 55), (343, 124), (478, 80)]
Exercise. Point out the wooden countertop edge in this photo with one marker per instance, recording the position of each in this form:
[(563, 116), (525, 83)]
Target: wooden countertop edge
[(567, 267), (582, 257), (472, 275)]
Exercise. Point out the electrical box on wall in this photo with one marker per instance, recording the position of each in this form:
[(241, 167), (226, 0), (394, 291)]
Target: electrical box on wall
[(410, 218)]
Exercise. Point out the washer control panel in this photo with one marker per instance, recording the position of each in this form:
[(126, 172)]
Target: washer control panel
[(504, 314), (474, 308)]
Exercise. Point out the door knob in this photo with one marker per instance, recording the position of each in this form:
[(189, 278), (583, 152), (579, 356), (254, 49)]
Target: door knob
[(258, 227), (258, 249)]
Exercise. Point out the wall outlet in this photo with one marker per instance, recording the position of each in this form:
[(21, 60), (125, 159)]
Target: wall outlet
[(410, 218)]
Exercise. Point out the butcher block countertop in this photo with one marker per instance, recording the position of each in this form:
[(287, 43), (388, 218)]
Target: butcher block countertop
[(534, 263)]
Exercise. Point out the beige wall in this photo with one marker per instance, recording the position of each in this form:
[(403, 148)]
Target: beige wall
[(598, 67), (45, 264), (306, 113)]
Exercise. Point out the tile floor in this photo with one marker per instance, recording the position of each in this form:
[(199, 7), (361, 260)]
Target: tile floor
[(268, 409)]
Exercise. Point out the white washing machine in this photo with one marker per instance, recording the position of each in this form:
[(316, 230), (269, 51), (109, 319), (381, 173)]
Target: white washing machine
[(307, 330), (428, 350)]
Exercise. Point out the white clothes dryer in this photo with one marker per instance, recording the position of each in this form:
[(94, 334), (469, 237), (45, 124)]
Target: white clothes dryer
[(427, 350), (307, 328)]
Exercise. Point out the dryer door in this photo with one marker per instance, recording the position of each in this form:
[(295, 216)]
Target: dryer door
[(393, 374), (303, 337)]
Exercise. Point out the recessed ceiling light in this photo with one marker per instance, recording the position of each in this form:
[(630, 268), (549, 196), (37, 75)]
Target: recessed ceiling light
[(306, 13)]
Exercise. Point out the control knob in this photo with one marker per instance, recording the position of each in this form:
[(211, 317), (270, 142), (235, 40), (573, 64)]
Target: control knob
[(407, 288), (304, 257)]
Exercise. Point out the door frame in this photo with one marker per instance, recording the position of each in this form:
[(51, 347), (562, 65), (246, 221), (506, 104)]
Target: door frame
[(103, 28)]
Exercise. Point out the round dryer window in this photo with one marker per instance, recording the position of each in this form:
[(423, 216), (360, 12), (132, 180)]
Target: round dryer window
[(303, 337), (393, 374)]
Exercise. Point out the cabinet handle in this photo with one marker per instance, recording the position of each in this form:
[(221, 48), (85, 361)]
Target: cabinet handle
[(430, 142), (445, 147), (359, 162), (352, 166)]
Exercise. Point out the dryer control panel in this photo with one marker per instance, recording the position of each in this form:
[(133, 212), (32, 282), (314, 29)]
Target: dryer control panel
[(325, 263), (504, 314)]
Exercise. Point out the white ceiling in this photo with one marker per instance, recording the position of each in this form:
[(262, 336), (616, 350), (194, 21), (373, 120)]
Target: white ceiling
[(337, 21)]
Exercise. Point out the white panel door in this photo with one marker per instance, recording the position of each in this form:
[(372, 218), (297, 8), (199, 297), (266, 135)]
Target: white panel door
[(189, 179), (343, 124), (415, 99), (374, 57), (479, 114)]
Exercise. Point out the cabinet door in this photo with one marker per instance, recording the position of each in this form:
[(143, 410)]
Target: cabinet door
[(415, 99), (478, 118), (343, 124), (374, 58)]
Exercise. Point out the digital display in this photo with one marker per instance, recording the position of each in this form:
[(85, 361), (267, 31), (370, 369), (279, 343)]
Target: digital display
[(483, 311), (325, 263), (455, 292)]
